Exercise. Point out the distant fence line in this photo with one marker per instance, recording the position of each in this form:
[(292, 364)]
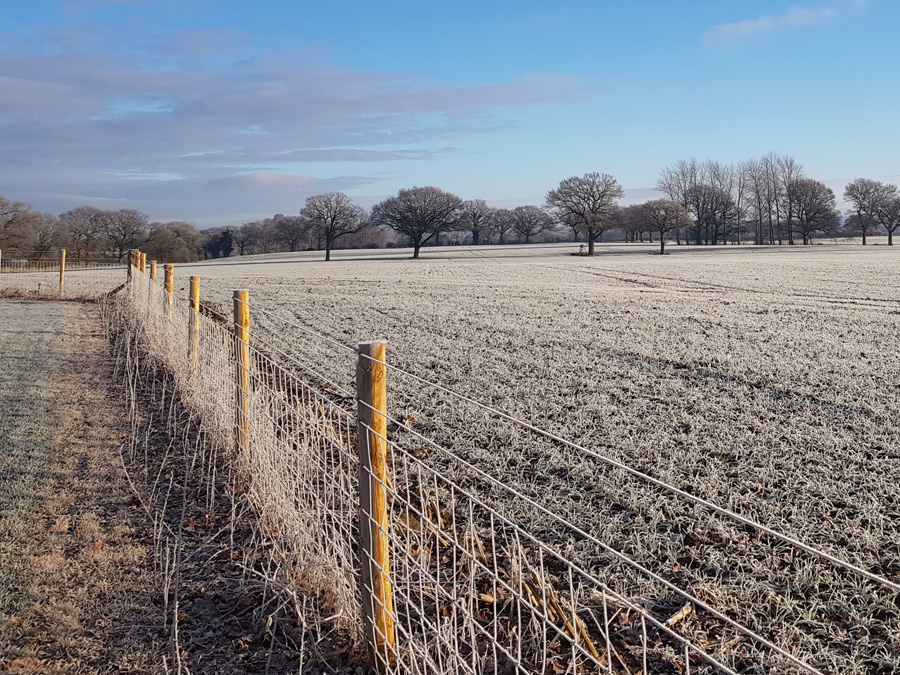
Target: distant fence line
[(410, 549), (45, 275)]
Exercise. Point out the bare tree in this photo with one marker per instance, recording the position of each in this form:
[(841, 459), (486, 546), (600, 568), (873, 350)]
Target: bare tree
[(757, 185), (82, 229), (475, 217), (811, 208), (420, 213), (16, 221), (889, 214), (863, 194), (123, 230), (663, 216), (587, 204), (869, 198), (530, 220), (291, 231), (44, 235), (260, 236), (676, 181), (502, 223), (333, 215), (243, 238), (174, 242), (631, 222), (789, 172)]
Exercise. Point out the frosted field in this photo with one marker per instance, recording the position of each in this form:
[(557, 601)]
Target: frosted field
[(765, 379)]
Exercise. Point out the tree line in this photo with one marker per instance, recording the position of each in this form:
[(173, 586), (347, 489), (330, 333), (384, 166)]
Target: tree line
[(771, 200), (763, 201), (91, 233)]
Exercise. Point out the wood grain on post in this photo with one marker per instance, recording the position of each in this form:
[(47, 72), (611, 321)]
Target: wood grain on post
[(62, 270), (170, 288), (194, 328), (242, 372), (377, 594), (143, 263)]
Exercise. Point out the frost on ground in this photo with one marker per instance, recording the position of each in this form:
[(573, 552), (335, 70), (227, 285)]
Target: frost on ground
[(104, 569), (766, 380), (76, 583)]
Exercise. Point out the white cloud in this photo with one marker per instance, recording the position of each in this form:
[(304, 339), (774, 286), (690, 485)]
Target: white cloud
[(82, 117), (794, 17)]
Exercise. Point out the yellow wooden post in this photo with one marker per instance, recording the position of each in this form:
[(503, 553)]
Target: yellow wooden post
[(377, 594), (143, 263), (170, 289), (62, 270), (194, 328), (151, 284), (242, 372)]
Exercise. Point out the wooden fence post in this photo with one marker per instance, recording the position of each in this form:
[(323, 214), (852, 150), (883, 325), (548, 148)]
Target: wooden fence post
[(1, 262), (242, 372), (62, 270), (151, 284), (143, 263), (194, 329), (170, 289), (130, 263), (371, 432)]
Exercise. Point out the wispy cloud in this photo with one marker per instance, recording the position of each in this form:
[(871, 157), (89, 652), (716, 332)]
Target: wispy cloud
[(794, 17), (189, 116)]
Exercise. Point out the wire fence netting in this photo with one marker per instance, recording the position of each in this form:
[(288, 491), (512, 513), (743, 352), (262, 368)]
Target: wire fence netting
[(35, 275)]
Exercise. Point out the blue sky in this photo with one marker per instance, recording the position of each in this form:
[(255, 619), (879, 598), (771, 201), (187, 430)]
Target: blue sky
[(221, 112)]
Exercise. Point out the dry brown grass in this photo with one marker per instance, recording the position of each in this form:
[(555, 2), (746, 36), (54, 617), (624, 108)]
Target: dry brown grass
[(85, 597)]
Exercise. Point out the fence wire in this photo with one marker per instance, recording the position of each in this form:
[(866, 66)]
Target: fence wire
[(492, 577), (23, 275)]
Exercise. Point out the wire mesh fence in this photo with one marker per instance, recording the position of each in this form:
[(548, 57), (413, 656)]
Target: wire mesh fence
[(439, 564), (39, 274)]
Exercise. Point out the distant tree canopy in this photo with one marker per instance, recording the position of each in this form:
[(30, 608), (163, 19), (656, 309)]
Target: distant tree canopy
[(333, 215), (529, 221), (420, 213), (475, 217), (587, 204), (767, 201), (874, 203), (663, 216)]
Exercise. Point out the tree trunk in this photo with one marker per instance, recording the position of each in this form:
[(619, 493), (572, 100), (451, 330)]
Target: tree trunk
[(590, 238), (662, 244), (864, 237), (416, 246), (890, 237), (476, 237)]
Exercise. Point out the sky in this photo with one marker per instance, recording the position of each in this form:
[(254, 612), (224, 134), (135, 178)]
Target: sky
[(220, 112)]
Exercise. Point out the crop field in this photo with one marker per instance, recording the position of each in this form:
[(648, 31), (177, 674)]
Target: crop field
[(765, 380)]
